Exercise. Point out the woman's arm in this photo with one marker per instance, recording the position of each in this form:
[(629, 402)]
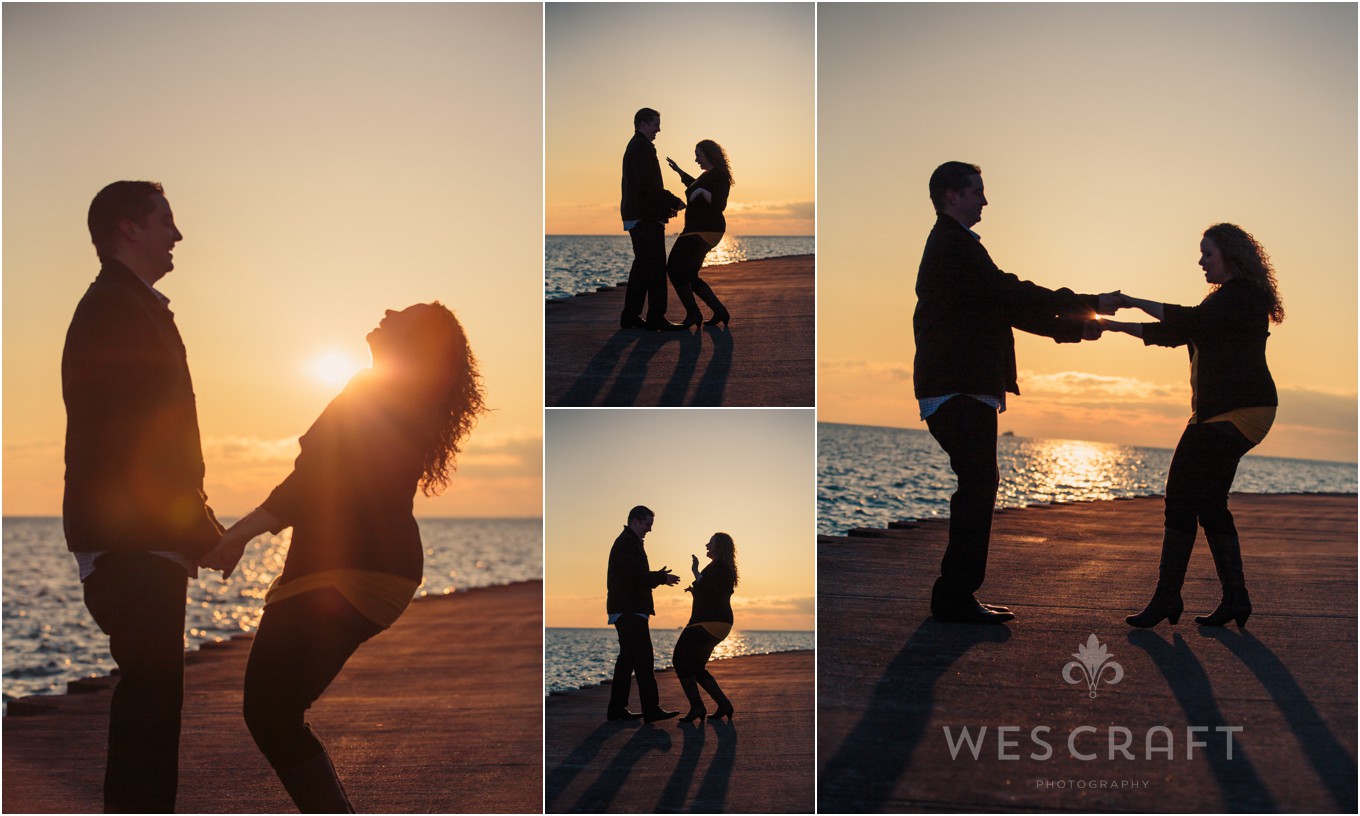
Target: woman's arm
[(1135, 329), (698, 192), (1153, 308), (227, 554)]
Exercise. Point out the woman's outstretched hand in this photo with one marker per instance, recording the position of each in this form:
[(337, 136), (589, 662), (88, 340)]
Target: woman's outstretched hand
[(673, 165), (1111, 302), (227, 554)]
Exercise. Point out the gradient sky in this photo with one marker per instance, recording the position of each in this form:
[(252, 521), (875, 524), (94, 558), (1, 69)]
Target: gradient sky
[(324, 162), (738, 73), (746, 472), (1110, 136)]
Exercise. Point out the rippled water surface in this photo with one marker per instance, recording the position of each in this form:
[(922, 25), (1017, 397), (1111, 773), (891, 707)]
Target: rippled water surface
[(574, 658), (868, 476), (575, 264), (49, 637)]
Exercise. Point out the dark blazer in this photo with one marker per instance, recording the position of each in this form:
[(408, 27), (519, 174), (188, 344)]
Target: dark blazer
[(134, 459), (1229, 329), (349, 498), (713, 594), (966, 308), (631, 580), (644, 193), (701, 215)]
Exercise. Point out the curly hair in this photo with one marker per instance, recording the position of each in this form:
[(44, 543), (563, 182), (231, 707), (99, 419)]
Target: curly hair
[(454, 395), (725, 551), (717, 157), (1245, 256)]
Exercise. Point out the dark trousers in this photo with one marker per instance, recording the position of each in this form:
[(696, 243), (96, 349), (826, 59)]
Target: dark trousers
[(687, 258), (647, 277), (138, 601), (692, 651), (300, 647), (1202, 472), (635, 658), (966, 430)]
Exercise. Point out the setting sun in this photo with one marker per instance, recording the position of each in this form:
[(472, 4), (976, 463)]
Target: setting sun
[(334, 368)]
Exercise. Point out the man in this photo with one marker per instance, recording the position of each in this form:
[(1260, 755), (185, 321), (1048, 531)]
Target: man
[(134, 510), (965, 364), (646, 206), (629, 605)]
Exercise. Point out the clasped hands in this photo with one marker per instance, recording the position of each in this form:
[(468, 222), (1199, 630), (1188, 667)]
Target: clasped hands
[(1107, 303)]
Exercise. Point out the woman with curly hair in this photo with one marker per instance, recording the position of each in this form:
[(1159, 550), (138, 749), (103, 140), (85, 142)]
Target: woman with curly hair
[(710, 621), (1233, 404), (706, 198), (356, 558)]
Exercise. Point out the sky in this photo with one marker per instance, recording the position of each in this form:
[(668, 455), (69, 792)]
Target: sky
[(740, 74), (747, 472), (324, 163), (1110, 136)]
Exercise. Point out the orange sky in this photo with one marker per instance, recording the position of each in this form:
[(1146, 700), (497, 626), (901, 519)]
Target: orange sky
[(1110, 136), (738, 73), (324, 162)]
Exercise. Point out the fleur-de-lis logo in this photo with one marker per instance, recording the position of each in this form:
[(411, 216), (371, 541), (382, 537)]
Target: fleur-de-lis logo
[(1093, 659)]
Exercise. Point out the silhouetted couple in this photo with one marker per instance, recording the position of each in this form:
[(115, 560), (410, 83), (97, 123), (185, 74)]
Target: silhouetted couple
[(138, 522), (647, 205), (965, 365), (629, 606)]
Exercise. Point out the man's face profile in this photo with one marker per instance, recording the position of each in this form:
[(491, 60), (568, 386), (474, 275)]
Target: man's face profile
[(650, 129), (966, 205), (153, 239)]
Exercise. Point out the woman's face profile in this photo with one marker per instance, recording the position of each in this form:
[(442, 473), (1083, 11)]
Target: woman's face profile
[(1211, 261)]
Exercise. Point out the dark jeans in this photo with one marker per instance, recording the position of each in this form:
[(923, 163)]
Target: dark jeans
[(300, 647), (966, 429), (635, 658), (687, 258), (138, 601), (647, 277), (692, 651), (1202, 472)]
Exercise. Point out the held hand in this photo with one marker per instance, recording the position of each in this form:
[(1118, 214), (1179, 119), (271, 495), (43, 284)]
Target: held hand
[(1092, 329), (226, 555), (1111, 302)]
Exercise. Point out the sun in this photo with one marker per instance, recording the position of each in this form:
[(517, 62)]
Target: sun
[(333, 369)]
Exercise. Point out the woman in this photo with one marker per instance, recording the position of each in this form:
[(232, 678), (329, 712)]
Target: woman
[(1233, 401), (709, 622), (355, 560), (704, 228)]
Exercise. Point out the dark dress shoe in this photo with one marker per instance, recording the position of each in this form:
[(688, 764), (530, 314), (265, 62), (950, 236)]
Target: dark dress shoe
[(658, 714), (973, 612), (625, 714), (662, 325), (631, 322)]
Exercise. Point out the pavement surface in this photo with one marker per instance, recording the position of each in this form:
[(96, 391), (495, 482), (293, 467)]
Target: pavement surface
[(766, 357), (442, 713), (759, 762), (1273, 705)]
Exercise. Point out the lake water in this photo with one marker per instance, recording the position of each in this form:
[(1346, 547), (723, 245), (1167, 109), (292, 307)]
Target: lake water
[(577, 264), (575, 658), (49, 637), (869, 476)]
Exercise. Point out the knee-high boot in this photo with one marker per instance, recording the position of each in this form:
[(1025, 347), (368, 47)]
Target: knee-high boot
[(685, 293), (696, 703), (315, 787), (1235, 604), (1166, 603), (715, 691), (705, 293)]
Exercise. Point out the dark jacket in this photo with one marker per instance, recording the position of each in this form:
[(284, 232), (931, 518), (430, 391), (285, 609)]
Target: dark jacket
[(701, 215), (134, 460), (644, 193), (1229, 328), (965, 310), (631, 579), (713, 594), (349, 498)]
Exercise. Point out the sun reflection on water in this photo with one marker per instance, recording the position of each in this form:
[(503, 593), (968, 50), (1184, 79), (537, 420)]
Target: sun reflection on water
[(1068, 470), (730, 249)]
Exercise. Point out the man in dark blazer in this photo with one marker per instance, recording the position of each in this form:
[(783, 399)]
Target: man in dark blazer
[(629, 605), (646, 206), (966, 309), (134, 511)]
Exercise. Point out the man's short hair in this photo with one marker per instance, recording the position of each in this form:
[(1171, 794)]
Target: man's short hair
[(640, 512), (644, 115), (132, 200), (949, 176)]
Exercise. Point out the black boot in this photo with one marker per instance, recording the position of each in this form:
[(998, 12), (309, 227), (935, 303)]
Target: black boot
[(1235, 604), (705, 293), (715, 691), (315, 787), (685, 293), (1166, 603), (696, 703)]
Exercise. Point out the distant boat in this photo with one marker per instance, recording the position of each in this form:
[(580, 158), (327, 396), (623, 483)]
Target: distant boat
[(1008, 433)]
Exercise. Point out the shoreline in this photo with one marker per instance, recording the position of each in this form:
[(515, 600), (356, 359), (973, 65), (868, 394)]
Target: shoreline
[(624, 281), (669, 668)]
